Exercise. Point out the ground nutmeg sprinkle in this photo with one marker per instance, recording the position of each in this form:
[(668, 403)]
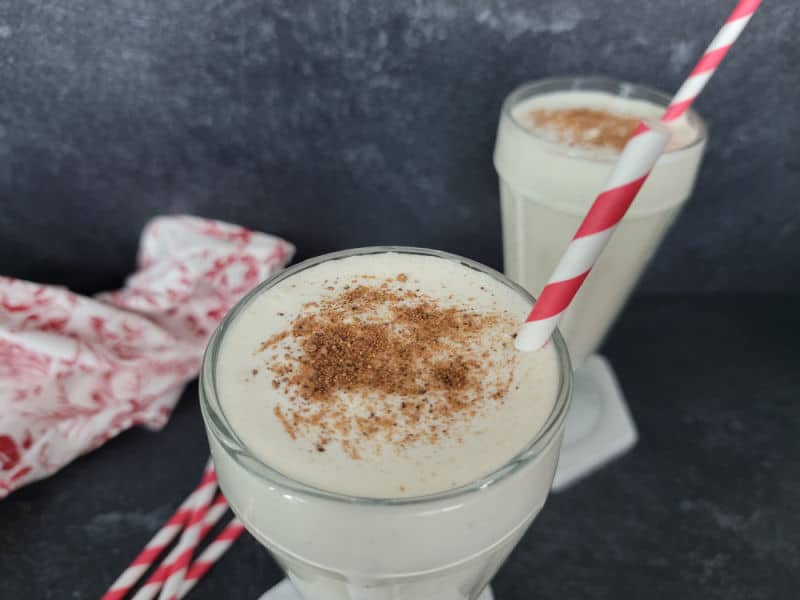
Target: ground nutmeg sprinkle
[(380, 364)]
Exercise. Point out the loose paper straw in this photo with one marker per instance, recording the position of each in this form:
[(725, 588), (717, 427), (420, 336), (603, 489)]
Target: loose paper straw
[(161, 540), (191, 537), (211, 555)]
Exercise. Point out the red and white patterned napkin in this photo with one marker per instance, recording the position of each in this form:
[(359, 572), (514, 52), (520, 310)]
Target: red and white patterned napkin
[(76, 371)]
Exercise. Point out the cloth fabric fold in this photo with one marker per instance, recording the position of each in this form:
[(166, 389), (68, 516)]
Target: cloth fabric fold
[(76, 371)]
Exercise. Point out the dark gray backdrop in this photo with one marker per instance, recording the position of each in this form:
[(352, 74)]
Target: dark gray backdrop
[(348, 123)]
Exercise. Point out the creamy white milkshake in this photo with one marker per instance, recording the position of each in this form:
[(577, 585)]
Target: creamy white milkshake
[(374, 427), (556, 144)]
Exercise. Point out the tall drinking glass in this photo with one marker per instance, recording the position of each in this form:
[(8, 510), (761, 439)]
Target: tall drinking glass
[(547, 185)]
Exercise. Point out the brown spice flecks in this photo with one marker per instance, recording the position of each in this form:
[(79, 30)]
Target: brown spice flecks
[(402, 277), (453, 374), (586, 127), (273, 340), (350, 449), (285, 422), (377, 365)]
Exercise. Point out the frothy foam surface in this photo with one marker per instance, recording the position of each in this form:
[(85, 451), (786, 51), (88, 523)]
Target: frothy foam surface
[(595, 121), (388, 375)]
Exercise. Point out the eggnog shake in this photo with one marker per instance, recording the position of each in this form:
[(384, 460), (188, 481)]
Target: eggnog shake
[(373, 425), (556, 145)]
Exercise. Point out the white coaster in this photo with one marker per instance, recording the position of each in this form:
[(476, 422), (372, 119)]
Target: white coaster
[(599, 426), (285, 591)]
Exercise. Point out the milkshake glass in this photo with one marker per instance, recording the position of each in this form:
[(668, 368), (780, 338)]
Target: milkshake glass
[(334, 546), (547, 187)]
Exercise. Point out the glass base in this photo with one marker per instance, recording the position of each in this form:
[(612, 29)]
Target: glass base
[(285, 591), (599, 426)]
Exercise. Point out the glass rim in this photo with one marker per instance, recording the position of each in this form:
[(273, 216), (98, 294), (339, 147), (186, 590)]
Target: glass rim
[(238, 451), (568, 83)]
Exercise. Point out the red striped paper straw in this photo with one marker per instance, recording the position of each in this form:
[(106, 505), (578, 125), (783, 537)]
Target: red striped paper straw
[(191, 537), (211, 555), (711, 58), (630, 172), (161, 540), (637, 159), (154, 548), (153, 585), (211, 515)]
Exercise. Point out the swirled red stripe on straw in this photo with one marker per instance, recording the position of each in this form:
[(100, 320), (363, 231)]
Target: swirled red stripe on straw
[(711, 59), (195, 530), (211, 555)]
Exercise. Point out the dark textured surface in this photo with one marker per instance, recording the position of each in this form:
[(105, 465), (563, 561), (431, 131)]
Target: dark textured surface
[(350, 123), (704, 507)]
